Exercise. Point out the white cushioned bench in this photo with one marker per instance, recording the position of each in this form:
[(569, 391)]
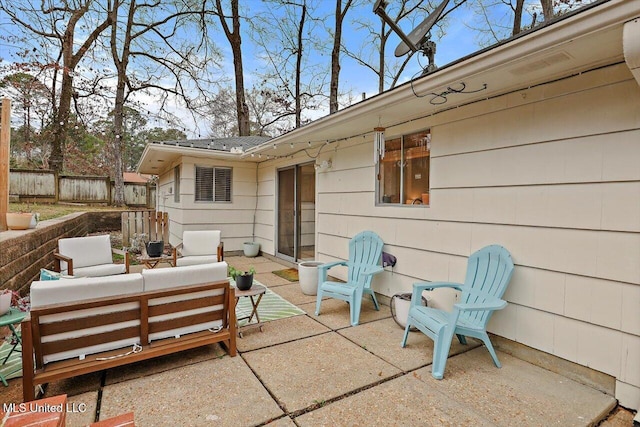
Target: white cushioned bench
[(82, 325)]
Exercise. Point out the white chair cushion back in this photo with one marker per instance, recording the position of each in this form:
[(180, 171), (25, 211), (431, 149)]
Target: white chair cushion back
[(203, 242), (86, 251), (69, 290), (167, 278)]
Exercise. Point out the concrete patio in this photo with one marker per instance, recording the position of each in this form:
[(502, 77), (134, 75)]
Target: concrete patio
[(312, 370)]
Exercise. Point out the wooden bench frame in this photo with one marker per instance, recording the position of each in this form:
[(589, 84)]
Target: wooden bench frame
[(33, 332)]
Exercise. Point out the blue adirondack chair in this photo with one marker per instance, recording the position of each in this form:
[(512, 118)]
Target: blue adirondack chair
[(365, 252), (488, 273)]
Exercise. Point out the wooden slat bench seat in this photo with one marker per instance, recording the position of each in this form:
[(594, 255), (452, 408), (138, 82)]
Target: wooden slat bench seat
[(161, 322)]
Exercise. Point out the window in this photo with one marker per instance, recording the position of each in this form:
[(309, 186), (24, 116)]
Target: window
[(403, 172), (176, 184), (213, 184)]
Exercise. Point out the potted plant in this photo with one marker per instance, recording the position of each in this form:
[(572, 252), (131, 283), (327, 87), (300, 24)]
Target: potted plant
[(243, 279), (155, 248)]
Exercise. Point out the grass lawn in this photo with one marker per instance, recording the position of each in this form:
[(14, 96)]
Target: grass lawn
[(50, 211)]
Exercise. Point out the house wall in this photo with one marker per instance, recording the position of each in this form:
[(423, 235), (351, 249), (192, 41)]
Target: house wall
[(235, 219), (552, 174)]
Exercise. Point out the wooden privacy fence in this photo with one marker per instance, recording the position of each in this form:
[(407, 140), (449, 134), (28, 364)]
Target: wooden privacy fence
[(48, 187), (154, 224)]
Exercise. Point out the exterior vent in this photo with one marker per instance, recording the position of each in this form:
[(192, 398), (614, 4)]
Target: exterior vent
[(539, 64)]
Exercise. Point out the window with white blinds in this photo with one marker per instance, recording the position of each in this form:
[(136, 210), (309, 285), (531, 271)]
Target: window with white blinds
[(213, 184)]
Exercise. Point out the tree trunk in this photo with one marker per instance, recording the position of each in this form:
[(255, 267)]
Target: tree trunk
[(244, 124), (69, 63), (335, 57), (299, 65), (517, 17), (383, 43), (56, 160), (121, 63), (547, 9)]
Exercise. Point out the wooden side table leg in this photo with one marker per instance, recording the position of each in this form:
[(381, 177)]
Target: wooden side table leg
[(254, 310)]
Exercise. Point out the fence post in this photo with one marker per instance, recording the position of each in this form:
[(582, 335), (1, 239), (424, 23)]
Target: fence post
[(5, 140)]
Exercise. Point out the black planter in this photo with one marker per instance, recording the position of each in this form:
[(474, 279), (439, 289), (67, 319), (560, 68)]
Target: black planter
[(244, 282), (154, 249)]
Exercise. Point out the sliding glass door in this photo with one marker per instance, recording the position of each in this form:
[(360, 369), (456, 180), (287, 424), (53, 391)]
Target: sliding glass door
[(296, 212)]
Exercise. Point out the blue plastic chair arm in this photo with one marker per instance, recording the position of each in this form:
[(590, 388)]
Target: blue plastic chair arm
[(372, 270), (497, 304), (329, 265)]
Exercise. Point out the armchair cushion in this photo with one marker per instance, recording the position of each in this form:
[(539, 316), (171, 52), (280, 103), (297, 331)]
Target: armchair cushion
[(204, 242), (88, 256), (196, 259), (86, 251), (99, 270)]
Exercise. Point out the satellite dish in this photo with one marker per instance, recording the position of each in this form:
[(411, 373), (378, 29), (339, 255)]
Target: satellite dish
[(417, 35)]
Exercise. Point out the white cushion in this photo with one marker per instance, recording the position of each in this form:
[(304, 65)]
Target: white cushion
[(165, 278), (196, 259), (68, 290), (203, 242), (86, 251), (98, 270)]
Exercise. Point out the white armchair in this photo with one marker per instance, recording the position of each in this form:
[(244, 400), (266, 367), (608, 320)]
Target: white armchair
[(88, 256), (199, 247)]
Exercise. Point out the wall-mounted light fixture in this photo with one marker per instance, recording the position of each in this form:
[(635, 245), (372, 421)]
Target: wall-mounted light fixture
[(378, 144), (324, 165)]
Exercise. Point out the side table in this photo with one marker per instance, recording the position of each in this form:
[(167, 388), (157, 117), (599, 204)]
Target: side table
[(10, 318), (152, 262), (255, 290)]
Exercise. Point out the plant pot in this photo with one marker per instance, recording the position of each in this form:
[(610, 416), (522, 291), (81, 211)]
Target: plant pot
[(154, 249), (244, 282), (308, 273), (251, 249), (5, 303), (400, 305), (18, 221)]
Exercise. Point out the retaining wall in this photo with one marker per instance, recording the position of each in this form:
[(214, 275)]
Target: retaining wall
[(24, 252)]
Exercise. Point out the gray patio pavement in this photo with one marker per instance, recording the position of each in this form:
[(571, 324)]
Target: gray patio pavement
[(312, 370)]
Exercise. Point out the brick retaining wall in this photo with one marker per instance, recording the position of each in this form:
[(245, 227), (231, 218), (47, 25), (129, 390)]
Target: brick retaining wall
[(24, 252)]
